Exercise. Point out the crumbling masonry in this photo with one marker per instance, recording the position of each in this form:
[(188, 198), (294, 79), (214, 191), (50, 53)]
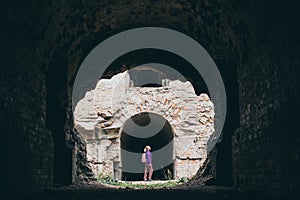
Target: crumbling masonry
[(100, 115)]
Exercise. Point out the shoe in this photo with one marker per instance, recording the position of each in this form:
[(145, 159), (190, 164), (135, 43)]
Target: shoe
[(149, 179), (145, 179)]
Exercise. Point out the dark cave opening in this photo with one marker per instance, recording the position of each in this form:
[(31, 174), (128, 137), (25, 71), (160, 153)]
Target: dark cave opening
[(56, 119), (158, 141), (151, 85)]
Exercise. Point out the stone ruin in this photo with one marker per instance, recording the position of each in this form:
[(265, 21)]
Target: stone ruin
[(100, 115)]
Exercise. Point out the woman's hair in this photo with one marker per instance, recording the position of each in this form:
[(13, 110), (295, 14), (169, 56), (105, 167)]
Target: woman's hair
[(147, 148)]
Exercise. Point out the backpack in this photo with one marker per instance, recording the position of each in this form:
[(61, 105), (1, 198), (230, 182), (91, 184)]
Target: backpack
[(143, 159)]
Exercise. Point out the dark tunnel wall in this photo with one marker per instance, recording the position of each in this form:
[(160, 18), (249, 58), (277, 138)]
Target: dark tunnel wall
[(256, 40), (266, 146)]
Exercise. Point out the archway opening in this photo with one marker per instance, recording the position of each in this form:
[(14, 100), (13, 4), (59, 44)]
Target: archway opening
[(159, 140), (56, 116)]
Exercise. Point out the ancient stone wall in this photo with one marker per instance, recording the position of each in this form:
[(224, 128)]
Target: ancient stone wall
[(26, 144), (103, 111), (266, 146)]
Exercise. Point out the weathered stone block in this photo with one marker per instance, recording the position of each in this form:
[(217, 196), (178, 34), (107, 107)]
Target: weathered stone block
[(190, 116)]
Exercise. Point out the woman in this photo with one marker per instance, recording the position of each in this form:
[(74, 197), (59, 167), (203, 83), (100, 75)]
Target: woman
[(148, 164)]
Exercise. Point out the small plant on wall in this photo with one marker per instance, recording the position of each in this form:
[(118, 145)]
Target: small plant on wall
[(168, 174)]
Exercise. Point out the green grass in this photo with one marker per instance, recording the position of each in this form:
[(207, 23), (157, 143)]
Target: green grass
[(108, 180), (145, 186)]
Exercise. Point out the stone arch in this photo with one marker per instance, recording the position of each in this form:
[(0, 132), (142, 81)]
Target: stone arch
[(34, 31), (194, 81), (134, 137), (154, 76), (114, 101)]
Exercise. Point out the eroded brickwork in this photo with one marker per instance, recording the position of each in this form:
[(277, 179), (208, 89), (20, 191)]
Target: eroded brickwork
[(102, 113)]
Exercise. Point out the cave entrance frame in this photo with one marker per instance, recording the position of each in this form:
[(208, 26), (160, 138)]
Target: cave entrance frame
[(157, 38), (131, 147)]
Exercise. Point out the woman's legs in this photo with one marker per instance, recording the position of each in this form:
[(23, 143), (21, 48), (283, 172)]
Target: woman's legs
[(150, 171), (145, 172)]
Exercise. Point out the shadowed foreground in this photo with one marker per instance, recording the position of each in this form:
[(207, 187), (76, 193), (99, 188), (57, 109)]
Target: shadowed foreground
[(91, 192)]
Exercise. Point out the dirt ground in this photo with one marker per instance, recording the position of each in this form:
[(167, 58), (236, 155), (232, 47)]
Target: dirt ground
[(94, 191)]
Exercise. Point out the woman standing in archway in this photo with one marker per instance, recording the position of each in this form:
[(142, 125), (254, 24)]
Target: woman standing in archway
[(148, 164)]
